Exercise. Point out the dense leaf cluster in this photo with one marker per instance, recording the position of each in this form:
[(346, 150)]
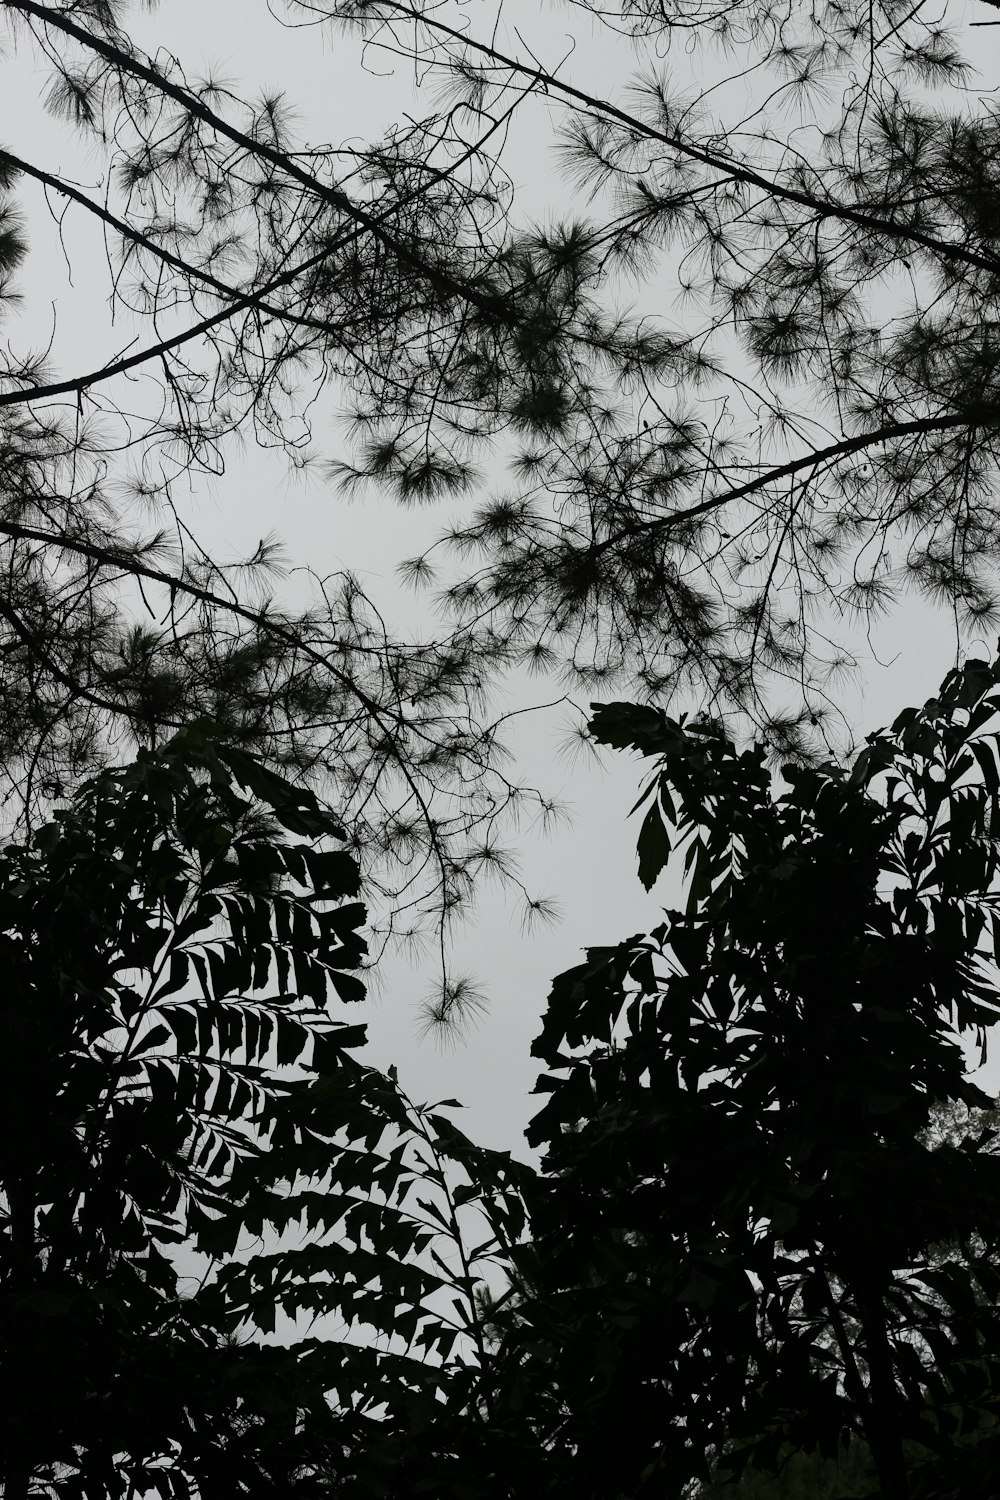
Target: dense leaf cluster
[(764, 1236), (231, 1255), (772, 1251)]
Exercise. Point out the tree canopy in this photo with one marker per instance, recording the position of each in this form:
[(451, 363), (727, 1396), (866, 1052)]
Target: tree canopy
[(749, 1241), (741, 392), (694, 434), (232, 1257), (764, 1234)]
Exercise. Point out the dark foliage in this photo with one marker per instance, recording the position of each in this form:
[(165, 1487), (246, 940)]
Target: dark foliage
[(232, 1257), (749, 1241)]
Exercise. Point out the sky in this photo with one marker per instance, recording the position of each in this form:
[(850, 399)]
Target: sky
[(589, 864)]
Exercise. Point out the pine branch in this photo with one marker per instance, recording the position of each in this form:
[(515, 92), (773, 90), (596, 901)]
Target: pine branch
[(490, 307), (843, 448), (240, 301), (823, 208)]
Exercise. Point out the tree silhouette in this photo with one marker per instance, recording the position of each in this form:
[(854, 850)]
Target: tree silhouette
[(701, 504), (704, 502), (748, 1242), (192, 1160), (107, 627)]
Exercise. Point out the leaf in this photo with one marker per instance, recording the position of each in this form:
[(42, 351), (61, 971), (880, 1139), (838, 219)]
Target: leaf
[(632, 726), (653, 846)]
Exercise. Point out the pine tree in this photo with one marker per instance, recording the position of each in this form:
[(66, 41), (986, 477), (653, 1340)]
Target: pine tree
[(706, 501), (710, 504)]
